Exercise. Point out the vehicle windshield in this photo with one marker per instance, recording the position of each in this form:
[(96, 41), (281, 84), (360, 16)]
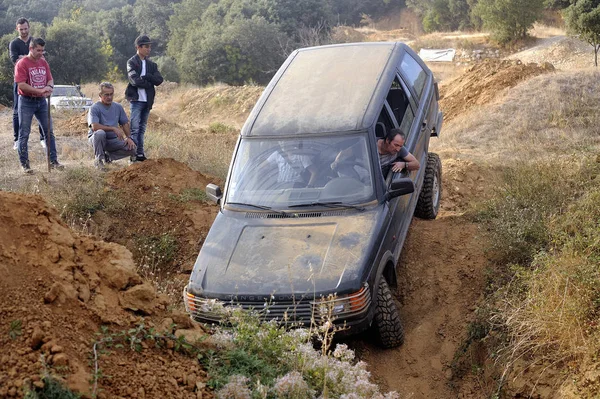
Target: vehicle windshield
[(69, 91), (294, 172)]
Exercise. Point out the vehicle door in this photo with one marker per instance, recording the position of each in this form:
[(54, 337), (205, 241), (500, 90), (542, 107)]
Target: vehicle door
[(418, 84)]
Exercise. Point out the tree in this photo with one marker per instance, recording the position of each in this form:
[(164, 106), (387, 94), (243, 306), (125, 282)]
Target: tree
[(151, 18), (6, 72), (186, 14), (438, 17), (247, 50), (583, 18), (508, 20), (116, 27), (74, 53)]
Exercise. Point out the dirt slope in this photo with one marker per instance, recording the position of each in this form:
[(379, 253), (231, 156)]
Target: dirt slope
[(441, 277), (57, 289), (483, 82)]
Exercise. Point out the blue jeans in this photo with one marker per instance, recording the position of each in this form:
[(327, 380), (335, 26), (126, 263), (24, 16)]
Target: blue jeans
[(28, 108), (139, 119), (16, 115)]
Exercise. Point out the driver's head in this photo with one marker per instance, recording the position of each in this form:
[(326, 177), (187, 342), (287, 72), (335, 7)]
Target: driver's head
[(394, 140)]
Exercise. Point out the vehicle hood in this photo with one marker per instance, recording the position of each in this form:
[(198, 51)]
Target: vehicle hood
[(244, 256)]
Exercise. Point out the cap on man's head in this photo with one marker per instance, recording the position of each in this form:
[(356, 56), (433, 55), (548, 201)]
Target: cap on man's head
[(143, 39)]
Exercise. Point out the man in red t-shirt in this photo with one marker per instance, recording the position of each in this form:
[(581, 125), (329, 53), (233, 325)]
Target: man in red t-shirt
[(35, 84)]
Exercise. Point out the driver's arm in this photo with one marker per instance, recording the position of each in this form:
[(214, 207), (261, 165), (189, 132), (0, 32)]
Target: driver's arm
[(409, 162)]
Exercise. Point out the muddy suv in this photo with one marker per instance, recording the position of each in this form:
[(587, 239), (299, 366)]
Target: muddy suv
[(301, 229)]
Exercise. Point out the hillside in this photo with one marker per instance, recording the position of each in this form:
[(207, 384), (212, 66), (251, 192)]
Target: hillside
[(86, 250)]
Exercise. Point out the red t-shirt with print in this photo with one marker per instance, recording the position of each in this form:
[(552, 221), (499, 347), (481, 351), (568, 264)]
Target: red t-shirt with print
[(35, 73)]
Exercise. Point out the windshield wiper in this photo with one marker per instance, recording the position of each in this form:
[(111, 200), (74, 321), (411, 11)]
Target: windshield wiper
[(263, 207), (329, 204)]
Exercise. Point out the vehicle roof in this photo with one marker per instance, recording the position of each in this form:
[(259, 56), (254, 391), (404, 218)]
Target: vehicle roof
[(326, 89)]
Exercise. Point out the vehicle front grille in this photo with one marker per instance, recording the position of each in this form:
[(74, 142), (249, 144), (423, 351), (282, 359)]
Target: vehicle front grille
[(287, 312)]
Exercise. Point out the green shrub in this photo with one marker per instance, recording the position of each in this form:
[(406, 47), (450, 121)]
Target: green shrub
[(53, 389), (524, 207)]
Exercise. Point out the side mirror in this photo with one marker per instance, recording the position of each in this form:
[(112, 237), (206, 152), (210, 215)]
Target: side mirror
[(400, 186), (214, 192)]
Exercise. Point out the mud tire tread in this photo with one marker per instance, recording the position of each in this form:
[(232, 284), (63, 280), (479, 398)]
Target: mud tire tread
[(426, 209), (387, 325)]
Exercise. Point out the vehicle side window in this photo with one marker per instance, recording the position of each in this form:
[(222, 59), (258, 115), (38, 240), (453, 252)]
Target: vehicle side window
[(414, 73), (409, 117), (385, 120), (398, 102)]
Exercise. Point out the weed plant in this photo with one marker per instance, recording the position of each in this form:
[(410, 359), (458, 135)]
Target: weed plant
[(545, 226), (260, 359), (257, 359), (82, 193), (53, 389)]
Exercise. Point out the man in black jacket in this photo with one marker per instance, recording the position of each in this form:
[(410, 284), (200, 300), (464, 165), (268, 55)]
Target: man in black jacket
[(142, 75)]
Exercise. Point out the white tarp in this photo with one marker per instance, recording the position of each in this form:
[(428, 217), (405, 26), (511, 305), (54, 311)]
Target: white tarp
[(437, 55)]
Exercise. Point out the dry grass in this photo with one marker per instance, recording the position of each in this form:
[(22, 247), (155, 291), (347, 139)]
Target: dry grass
[(457, 40), (543, 31), (552, 115)]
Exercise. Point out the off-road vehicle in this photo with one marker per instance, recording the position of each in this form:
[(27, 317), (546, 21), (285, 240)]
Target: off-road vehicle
[(300, 228)]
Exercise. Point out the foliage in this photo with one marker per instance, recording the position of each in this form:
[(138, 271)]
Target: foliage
[(557, 4), (15, 329), (264, 359), (151, 18), (519, 217), (443, 15), (234, 41), (52, 389), (508, 20), (548, 307), (74, 53), (168, 68), (156, 252), (583, 18), (114, 25), (6, 72), (83, 193), (248, 49)]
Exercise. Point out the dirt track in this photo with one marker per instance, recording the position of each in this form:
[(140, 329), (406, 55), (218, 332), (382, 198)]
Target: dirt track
[(441, 278)]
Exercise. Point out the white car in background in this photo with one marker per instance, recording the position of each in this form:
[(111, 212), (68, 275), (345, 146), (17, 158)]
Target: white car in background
[(69, 98)]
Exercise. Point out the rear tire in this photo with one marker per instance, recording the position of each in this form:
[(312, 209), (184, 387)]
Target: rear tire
[(387, 325), (428, 204)]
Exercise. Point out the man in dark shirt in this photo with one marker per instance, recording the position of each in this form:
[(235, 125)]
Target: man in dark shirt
[(142, 75), (393, 155), (17, 49)]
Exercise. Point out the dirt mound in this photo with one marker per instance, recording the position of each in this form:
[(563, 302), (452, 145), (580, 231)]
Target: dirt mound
[(217, 104), (482, 82), (162, 198), (57, 288), (70, 123), (561, 51)]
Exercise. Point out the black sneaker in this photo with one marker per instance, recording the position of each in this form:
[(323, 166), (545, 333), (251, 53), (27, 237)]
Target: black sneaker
[(27, 170), (107, 158), (140, 158), (56, 165)]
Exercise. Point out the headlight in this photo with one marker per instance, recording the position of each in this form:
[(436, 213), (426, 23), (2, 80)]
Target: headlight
[(344, 306)]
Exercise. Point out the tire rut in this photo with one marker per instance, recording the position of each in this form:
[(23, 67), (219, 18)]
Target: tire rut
[(441, 277)]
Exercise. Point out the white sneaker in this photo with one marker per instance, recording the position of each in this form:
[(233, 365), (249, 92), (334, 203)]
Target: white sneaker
[(43, 144), (16, 145)]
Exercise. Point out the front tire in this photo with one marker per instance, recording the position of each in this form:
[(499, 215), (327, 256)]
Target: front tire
[(428, 204), (387, 325)]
